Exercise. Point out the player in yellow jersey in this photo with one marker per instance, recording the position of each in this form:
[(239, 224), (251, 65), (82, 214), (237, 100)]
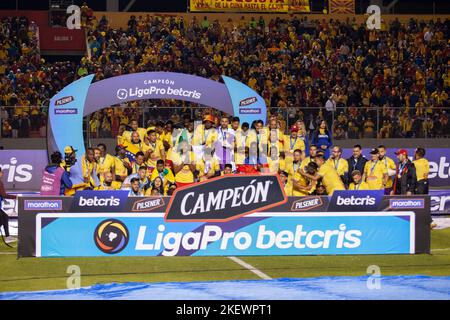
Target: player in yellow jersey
[(302, 186), (292, 142), (312, 154), (390, 168), (134, 128), (153, 150), (122, 165), (375, 172), (105, 161), (184, 164), (357, 182), (108, 183), (286, 184), (319, 170), (422, 171), (338, 163)]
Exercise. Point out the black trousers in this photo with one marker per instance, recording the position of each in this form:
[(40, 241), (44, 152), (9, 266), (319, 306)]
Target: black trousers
[(4, 218), (422, 187)]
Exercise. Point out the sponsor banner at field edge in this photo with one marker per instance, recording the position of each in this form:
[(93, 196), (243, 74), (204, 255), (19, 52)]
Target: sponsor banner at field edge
[(99, 201), (356, 200), (282, 233), (267, 6), (440, 201), (22, 169)]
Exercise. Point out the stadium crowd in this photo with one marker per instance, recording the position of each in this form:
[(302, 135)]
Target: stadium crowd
[(396, 79)]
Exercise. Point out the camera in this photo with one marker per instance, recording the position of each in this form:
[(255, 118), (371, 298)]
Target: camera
[(70, 159)]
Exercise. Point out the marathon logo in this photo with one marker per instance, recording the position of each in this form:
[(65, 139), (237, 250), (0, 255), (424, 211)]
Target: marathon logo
[(250, 111), (407, 203), (147, 204), (64, 100), (306, 204), (42, 205), (66, 111), (356, 200), (247, 102), (99, 201), (225, 198)]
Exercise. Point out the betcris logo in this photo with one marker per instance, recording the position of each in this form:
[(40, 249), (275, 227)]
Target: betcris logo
[(406, 203), (17, 172), (42, 205), (99, 201), (356, 200)]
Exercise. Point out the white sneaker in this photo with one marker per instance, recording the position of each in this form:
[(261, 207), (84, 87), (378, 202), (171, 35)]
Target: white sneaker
[(10, 239)]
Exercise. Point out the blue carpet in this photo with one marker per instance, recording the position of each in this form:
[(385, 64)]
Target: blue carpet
[(323, 288)]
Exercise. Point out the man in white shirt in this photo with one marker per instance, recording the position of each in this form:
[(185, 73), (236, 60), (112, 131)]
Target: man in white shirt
[(224, 146)]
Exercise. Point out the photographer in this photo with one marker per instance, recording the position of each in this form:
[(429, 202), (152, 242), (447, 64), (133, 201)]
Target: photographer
[(55, 179), (70, 158), (4, 218)]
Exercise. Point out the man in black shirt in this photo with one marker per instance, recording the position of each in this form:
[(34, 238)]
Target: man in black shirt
[(405, 178), (356, 162)]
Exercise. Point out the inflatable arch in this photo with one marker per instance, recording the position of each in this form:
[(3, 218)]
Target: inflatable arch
[(82, 97)]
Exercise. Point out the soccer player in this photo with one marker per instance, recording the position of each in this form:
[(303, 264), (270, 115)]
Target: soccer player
[(357, 182), (135, 191), (122, 165), (284, 177), (107, 182), (375, 173), (291, 143), (405, 181), (164, 173), (295, 164), (127, 135), (312, 154), (224, 145), (339, 164), (153, 150), (390, 168), (135, 165), (105, 162), (422, 171), (301, 185), (208, 166), (228, 169), (330, 178), (183, 164)]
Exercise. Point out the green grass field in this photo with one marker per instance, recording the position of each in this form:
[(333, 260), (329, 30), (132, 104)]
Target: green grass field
[(30, 274)]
